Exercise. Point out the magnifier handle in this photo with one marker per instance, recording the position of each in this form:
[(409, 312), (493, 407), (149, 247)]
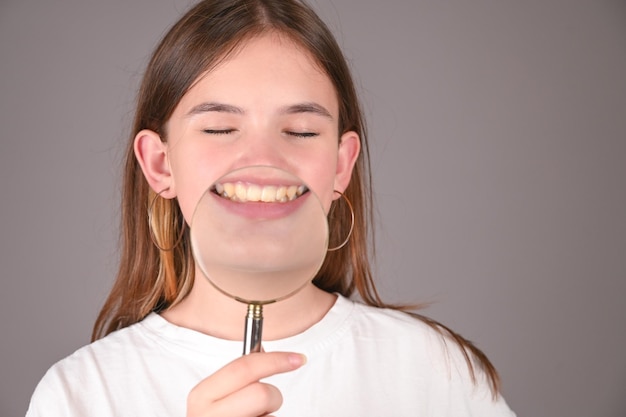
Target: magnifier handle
[(253, 330)]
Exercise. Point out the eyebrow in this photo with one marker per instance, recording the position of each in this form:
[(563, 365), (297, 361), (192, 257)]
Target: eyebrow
[(216, 107), (308, 107)]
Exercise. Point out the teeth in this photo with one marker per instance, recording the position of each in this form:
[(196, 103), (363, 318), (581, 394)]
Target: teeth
[(268, 194), (228, 189), (241, 192), (291, 191), (254, 193), (281, 193)]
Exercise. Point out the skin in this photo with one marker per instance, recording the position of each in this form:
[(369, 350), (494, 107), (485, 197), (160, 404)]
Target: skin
[(268, 104)]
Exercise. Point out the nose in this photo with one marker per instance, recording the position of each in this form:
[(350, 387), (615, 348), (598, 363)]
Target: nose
[(263, 148)]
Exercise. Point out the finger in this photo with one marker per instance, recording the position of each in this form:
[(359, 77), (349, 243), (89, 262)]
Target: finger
[(256, 399), (244, 371)]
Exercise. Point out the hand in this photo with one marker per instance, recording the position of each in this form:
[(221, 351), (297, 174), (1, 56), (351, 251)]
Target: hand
[(235, 389)]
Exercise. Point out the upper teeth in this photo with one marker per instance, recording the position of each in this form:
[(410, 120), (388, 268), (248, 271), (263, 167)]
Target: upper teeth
[(251, 192)]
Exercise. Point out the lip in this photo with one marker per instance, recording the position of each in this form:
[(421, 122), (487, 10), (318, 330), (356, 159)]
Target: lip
[(259, 210), (256, 177)]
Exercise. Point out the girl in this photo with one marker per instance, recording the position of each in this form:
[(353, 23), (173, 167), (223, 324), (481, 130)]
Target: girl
[(238, 83)]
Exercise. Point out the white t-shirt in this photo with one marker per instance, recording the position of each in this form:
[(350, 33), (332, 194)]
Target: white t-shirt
[(362, 361)]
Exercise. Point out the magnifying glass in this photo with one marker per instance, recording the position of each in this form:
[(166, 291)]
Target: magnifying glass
[(259, 235)]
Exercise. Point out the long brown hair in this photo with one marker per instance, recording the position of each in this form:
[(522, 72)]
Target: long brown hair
[(150, 279)]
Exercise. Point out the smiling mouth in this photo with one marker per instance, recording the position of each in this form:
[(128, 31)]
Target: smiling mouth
[(243, 192)]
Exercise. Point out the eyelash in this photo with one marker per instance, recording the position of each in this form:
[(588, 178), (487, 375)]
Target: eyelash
[(218, 131), (302, 134), (290, 133)]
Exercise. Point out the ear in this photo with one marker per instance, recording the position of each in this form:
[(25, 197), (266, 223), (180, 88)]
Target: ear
[(349, 148), (151, 153)]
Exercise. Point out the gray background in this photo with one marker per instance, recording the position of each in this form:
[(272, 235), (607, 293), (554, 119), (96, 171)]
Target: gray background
[(499, 158)]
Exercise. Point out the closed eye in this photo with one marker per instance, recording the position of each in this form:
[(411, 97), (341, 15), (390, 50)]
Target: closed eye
[(302, 134), (218, 131)]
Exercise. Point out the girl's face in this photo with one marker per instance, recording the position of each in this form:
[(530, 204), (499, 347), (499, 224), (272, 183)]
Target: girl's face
[(268, 104)]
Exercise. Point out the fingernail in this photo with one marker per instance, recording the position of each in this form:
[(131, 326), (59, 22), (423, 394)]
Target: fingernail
[(297, 360)]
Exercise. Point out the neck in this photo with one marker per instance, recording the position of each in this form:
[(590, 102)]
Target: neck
[(209, 311)]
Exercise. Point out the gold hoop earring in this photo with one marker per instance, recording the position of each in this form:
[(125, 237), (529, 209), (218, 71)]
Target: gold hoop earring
[(150, 227), (345, 241)]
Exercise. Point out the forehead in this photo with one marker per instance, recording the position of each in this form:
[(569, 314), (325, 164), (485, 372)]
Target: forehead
[(270, 65)]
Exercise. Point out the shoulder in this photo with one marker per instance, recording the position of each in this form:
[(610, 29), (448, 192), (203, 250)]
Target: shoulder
[(418, 334), (420, 352), (381, 330), (398, 325), (119, 346), (68, 384)]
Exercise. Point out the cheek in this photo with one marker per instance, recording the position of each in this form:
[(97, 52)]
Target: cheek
[(322, 187), (192, 176), (188, 199), (330, 179), (322, 179)]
